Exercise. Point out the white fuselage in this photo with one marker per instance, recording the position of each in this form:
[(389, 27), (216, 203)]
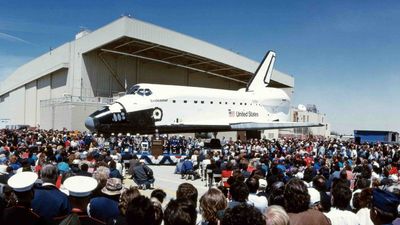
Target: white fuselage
[(206, 106)]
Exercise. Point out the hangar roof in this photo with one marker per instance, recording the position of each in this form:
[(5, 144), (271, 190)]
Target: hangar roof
[(135, 38)]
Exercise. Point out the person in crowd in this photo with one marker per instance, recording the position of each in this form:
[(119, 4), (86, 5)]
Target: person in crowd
[(187, 169), (105, 207), (158, 211), (239, 192), (297, 205), (101, 174), (49, 201), (319, 183), (126, 197), (80, 189), (260, 202), (212, 205), (276, 194), (187, 191), (364, 206), (21, 213), (180, 211), (140, 211), (84, 170), (384, 207), (339, 213), (143, 175), (226, 173), (276, 215), (114, 172), (243, 214), (5, 173), (158, 194)]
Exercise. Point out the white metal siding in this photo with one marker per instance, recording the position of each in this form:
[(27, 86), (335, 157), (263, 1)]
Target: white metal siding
[(58, 83), (31, 117), (43, 93)]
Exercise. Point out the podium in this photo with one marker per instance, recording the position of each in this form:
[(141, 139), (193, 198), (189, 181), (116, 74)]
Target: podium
[(156, 148)]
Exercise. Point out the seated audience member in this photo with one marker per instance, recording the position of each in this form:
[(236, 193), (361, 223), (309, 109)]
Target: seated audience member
[(243, 214), (114, 172), (276, 215), (364, 206), (80, 188), (101, 174), (339, 215), (276, 196), (22, 213), (260, 202), (187, 191), (212, 204), (159, 195), (384, 207), (158, 211), (180, 211), (319, 183), (84, 170), (297, 202), (239, 192), (5, 173), (127, 196), (49, 201), (315, 199), (140, 211), (105, 207)]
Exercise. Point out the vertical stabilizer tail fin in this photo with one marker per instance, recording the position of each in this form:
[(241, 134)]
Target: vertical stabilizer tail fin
[(262, 76)]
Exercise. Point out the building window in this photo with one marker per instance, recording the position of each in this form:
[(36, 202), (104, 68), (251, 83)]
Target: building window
[(195, 102), (173, 101), (245, 103), (226, 103), (240, 103), (211, 102), (233, 103), (184, 101), (202, 102)]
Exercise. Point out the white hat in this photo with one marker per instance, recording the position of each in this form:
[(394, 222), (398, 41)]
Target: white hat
[(23, 181), (142, 161), (80, 186), (262, 183), (315, 196), (76, 161)]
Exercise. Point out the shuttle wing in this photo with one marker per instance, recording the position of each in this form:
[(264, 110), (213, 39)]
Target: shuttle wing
[(272, 125)]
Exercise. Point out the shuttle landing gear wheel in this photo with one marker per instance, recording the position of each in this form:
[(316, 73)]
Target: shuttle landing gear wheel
[(157, 114)]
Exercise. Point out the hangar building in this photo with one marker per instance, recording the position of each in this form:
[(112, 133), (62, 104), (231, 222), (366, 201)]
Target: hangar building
[(62, 87)]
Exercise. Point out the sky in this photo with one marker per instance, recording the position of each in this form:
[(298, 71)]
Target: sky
[(344, 55)]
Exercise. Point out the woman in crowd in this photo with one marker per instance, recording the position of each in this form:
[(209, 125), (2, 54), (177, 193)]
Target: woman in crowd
[(212, 204)]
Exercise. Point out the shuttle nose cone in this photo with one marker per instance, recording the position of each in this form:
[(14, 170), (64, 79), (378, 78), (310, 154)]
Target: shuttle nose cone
[(89, 123)]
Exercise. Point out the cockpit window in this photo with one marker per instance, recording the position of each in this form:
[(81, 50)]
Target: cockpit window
[(140, 91), (147, 92), (133, 90)]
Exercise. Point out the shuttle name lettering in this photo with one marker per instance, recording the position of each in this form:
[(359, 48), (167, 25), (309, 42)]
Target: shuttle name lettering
[(247, 114)]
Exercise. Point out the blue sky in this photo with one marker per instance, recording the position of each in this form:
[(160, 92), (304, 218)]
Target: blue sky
[(344, 55)]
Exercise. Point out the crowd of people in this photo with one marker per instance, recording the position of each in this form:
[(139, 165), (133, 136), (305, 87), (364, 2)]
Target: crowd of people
[(62, 177)]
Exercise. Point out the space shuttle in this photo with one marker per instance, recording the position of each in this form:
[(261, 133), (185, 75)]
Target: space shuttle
[(155, 108)]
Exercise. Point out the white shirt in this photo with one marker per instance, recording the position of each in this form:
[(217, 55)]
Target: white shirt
[(260, 202), (342, 217), (364, 216)]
